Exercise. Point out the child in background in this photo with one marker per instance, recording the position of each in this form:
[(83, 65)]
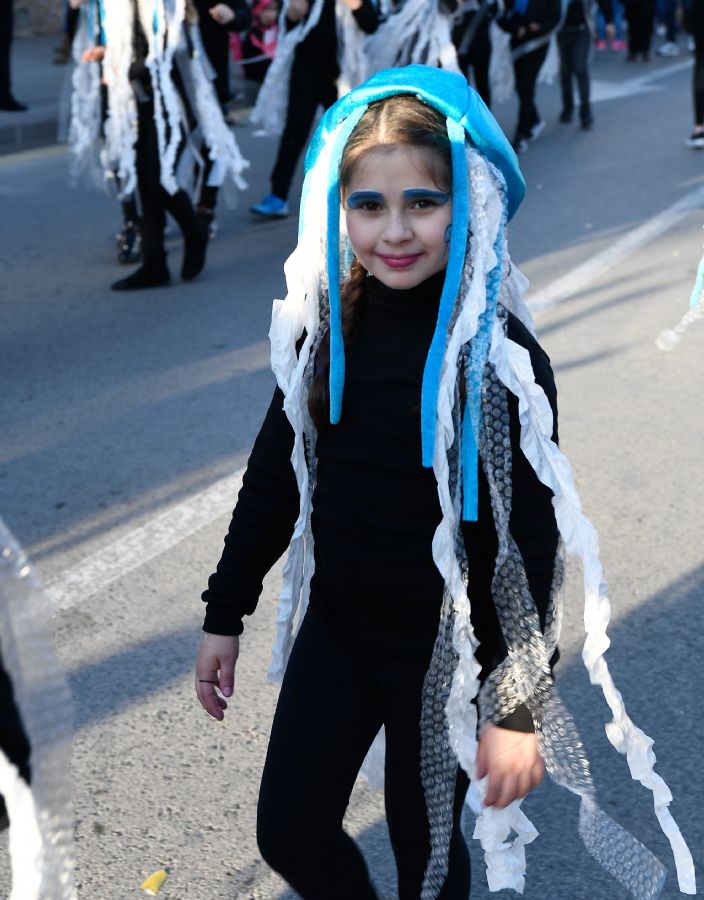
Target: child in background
[(259, 44), (393, 447)]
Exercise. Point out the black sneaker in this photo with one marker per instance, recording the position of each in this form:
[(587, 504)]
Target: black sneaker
[(9, 104), (696, 140), (587, 123), (566, 116), (146, 276)]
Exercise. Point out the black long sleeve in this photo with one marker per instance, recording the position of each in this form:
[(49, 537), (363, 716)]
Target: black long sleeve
[(375, 509), (261, 527)]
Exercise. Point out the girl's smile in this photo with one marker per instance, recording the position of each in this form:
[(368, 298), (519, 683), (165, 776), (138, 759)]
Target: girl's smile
[(397, 215)]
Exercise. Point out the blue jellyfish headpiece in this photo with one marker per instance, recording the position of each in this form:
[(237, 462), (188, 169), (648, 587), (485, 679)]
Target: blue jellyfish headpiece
[(468, 118)]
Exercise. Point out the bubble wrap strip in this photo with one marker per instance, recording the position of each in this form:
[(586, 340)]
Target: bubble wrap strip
[(85, 118), (448, 722), (41, 830), (512, 365)]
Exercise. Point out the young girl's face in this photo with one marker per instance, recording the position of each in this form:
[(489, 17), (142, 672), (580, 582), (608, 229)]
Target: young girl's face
[(397, 216)]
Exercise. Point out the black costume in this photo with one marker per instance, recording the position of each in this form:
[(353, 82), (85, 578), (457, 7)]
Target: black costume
[(313, 84), (527, 62), (375, 596)]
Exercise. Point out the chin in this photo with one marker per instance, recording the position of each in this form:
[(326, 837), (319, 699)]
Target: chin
[(404, 279)]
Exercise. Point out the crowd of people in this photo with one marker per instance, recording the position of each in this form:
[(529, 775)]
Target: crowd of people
[(319, 49)]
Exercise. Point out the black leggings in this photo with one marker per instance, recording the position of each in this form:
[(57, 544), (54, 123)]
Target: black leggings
[(526, 69), (308, 90), (156, 201), (333, 701)]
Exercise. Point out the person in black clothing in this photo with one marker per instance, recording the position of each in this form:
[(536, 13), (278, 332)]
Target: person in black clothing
[(313, 84), (641, 18), (216, 21), (696, 26), (530, 24), (363, 652), (155, 200), (8, 103), (574, 40), (472, 39)]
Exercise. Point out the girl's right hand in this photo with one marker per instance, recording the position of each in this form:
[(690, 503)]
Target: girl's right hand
[(215, 668)]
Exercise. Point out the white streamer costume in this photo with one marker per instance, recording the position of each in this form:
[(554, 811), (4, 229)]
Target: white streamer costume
[(41, 820), (471, 344), (269, 111), (174, 43), (419, 32)]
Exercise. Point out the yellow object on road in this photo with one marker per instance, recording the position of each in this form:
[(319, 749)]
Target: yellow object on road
[(155, 882)]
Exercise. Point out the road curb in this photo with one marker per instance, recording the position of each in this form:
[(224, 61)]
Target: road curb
[(18, 136)]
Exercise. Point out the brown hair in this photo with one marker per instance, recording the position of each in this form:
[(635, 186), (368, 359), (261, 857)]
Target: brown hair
[(401, 119)]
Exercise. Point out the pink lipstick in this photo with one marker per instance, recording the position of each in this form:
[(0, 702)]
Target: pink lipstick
[(399, 262)]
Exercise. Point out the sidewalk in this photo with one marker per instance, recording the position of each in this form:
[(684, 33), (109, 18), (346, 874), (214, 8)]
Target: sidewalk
[(40, 84)]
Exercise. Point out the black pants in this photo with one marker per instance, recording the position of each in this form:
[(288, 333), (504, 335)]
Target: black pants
[(309, 89), (156, 201), (526, 70), (478, 55), (640, 17), (574, 45), (6, 28), (333, 701), (696, 20)]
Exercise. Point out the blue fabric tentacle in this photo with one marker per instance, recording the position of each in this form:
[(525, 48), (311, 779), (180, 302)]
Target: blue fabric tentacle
[(337, 346), (453, 275)]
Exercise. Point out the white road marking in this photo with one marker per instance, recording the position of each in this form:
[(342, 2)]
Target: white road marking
[(643, 84), (583, 275), (142, 544)]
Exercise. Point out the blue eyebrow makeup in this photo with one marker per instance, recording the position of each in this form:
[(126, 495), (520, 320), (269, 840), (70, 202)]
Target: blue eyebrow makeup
[(424, 194), (359, 198)]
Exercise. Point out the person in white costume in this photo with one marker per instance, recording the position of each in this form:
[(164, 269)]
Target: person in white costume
[(409, 460)]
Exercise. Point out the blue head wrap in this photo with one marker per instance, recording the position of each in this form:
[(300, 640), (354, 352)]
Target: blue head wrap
[(468, 118)]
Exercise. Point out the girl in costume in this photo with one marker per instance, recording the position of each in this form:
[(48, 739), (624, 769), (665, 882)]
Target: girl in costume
[(409, 458), (160, 106)]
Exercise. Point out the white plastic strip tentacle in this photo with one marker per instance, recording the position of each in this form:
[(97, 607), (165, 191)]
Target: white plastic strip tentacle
[(84, 126), (513, 367), (299, 312), (272, 100), (120, 127), (419, 32), (218, 137), (41, 819)]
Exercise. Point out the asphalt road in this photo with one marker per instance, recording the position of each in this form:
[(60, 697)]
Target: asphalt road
[(116, 409)]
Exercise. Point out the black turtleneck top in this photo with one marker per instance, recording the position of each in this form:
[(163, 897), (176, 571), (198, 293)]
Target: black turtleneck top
[(375, 508)]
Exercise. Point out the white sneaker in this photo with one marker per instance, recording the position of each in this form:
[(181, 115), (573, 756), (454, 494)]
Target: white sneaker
[(537, 130), (669, 48), (696, 140)]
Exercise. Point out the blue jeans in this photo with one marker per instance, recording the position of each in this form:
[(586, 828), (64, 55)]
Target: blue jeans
[(618, 22)]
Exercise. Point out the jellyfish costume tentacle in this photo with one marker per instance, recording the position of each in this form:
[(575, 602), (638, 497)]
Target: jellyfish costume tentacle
[(471, 369), (165, 25)]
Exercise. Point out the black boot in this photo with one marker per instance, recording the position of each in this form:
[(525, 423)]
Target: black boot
[(194, 248), (9, 104), (152, 273)]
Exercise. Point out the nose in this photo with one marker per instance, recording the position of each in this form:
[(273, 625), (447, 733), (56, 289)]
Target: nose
[(397, 228)]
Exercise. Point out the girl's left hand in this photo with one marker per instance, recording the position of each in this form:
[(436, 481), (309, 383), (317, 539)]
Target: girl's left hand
[(222, 13), (93, 54), (512, 762)]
